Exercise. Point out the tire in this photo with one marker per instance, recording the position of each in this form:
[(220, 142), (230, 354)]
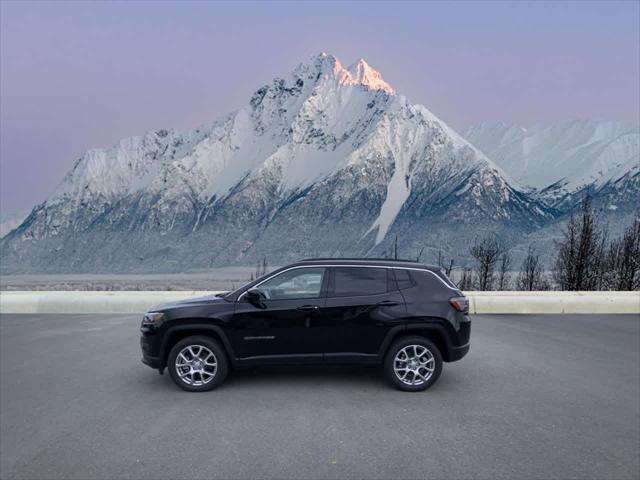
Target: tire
[(197, 351), (428, 366)]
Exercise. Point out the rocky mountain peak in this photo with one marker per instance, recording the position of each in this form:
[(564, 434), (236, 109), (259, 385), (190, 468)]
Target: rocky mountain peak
[(364, 74), (325, 161)]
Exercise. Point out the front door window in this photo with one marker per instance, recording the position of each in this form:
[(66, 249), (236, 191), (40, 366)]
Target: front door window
[(298, 283)]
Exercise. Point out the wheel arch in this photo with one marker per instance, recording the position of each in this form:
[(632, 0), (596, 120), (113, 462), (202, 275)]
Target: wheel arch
[(176, 333), (429, 328)]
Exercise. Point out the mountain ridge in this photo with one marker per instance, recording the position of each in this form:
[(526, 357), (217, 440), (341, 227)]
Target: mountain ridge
[(565, 160), (325, 161)]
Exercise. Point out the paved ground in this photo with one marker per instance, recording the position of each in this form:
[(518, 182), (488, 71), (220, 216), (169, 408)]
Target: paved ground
[(537, 397)]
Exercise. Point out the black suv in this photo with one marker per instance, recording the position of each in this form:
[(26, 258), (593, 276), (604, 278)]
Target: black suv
[(404, 315)]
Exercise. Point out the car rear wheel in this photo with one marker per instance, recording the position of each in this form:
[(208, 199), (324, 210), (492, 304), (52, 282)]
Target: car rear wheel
[(413, 364), (197, 364)]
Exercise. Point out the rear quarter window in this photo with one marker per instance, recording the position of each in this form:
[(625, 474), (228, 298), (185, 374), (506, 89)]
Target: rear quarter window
[(446, 279), (427, 281)]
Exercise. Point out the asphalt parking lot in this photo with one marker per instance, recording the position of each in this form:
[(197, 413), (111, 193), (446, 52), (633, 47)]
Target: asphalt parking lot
[(537, 397)]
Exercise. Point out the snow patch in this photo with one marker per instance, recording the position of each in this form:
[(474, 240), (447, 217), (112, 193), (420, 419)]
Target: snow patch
[(397, 193)]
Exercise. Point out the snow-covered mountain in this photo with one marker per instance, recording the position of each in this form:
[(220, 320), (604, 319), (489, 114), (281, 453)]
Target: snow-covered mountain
[(563, 160), (9, 221), (326, 161)]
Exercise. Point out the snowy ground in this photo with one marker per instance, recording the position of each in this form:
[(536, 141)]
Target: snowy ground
[(225, 278)]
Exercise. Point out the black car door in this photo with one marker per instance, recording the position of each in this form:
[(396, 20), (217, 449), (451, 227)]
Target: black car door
[(284, 325), (363, 304)]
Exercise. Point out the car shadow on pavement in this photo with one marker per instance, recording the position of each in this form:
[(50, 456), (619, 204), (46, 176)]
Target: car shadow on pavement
[(303, 376), (317, 375)]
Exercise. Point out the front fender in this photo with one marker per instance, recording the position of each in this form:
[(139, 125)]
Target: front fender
[(197, 328)]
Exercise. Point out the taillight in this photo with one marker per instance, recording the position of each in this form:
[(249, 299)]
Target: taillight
[(461, 304)]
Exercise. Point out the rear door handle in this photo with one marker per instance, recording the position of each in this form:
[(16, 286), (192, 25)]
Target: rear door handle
[(387, 303), (307, 308)]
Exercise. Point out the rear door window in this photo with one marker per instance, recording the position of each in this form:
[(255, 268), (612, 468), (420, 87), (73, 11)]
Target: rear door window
[(356, 281)]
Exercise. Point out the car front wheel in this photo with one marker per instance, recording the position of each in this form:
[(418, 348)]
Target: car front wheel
[(197, 364), (413, 364)]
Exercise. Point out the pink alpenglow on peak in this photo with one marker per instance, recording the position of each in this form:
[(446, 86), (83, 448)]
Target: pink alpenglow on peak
[(360, 73)]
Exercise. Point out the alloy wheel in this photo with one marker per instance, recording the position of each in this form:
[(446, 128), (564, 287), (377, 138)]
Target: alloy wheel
[(414, 365), (196, 365)]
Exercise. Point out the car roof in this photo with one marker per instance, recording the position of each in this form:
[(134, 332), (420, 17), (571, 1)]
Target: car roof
[(379, 262)]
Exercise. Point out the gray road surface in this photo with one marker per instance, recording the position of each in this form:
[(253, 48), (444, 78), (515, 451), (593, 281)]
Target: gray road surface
[(537, 397)]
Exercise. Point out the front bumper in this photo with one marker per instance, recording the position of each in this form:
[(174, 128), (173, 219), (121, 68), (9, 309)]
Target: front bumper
[(147, 357), (153, 362)]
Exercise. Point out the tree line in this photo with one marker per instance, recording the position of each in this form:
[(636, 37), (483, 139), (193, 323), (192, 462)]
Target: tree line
[(585, 259)]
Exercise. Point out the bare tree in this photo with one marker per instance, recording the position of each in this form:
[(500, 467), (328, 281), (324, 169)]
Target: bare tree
[(577, 265), (621, 265), (395, 248), (531, 273), (258, 268), (449, 267), (466, 282), (486, 252), (601, 264), (630, 263), (261, 268), (445, 266), (503, 272), (419, 254)]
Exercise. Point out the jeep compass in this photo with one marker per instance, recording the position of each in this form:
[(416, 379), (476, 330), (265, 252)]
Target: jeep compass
[(405, 316)]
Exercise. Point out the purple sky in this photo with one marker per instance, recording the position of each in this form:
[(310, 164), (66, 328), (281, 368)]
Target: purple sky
[(80, 75)]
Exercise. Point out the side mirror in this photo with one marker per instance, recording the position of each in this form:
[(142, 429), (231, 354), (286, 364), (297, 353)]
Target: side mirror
[(256, 298)]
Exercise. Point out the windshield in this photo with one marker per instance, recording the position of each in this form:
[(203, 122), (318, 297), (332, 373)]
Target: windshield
[(246, 286)]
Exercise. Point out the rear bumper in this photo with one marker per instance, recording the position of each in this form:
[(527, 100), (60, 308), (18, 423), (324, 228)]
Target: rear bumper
[(456, 353), (463, 340)]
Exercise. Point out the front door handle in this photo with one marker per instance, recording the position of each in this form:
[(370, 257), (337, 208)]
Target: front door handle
[(308, 308), (387, 303)]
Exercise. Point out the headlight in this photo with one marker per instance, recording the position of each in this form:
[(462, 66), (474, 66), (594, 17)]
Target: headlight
[(152, 319)]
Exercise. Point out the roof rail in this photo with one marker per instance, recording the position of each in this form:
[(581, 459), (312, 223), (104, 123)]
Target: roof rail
[(363, 259)]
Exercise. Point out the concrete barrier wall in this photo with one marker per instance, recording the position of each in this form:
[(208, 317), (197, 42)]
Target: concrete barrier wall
[(89, 302), (554, 302), (83, 302)]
